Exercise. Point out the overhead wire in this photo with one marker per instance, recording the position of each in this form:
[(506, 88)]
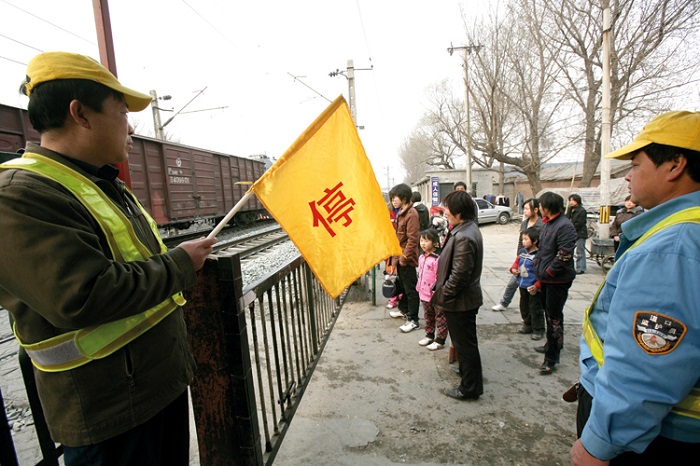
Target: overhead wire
[(364, 32), (21, 43), (210, 24), (14, 61), (378, 95), (296, 78), (239, 49), (48, 22)]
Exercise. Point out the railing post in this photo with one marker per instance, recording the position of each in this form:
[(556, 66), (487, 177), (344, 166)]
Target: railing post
[(8, 455), (48, 448), (312, 308), (223, 395)]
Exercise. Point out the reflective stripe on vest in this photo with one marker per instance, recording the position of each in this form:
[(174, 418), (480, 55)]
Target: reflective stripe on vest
[(690, 405), (76, 348)]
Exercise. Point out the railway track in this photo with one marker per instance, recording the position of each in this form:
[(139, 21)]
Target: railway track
[(252, 244), (227, 232)]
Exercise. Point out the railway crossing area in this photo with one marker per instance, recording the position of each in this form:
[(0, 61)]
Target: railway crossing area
[(375, 396)]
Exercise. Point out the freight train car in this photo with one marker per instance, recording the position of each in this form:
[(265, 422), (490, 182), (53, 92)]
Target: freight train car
[(179, 185)]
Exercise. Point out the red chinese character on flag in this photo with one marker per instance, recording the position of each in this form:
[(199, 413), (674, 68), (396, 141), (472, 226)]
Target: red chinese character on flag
[(337, 207)]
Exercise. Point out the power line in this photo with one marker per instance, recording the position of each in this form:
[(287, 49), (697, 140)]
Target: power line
[(364, 33), (13, 61), (21, 43), (49, 22), (232, 43), (210, 24), (309, 87)]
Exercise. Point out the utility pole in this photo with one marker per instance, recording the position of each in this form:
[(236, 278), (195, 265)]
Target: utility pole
[(105, 43), (606, 129), (350, 76), (157, 125), (351, 90), (468, 49)]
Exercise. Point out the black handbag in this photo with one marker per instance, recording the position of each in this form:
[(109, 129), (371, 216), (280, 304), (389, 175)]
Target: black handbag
[(391, 287)]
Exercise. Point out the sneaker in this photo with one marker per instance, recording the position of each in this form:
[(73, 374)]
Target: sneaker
[(435, 346), (537, 336), (391, 305), (499, 308), (409, 326), (396, 314), (425, 341), (525, 330)]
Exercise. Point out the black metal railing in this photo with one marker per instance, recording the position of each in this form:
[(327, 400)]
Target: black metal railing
[(50, 452), (256, 350), (267, 339)]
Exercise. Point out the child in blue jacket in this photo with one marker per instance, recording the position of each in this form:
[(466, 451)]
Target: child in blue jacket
[(530, 305)]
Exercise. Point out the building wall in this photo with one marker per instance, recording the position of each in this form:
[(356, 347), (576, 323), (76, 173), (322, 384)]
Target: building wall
[(524, 187), (487, 183)]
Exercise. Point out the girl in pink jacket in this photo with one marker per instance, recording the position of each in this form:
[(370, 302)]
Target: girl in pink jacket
[(427, 274)]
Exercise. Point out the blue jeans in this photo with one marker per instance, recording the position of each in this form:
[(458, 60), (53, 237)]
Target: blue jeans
[(581, 254), (510, 290)]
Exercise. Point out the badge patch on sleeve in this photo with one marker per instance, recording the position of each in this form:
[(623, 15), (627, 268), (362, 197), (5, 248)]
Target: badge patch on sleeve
[(657, 333)]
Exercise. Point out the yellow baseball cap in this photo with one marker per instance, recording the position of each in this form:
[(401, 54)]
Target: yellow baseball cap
[(50, 66), (677, 129)]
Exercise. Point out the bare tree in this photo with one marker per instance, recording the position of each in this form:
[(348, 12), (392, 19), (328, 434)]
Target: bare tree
[(414, 155), (518, 104), (649, 58), (430, 144), (538, 69)]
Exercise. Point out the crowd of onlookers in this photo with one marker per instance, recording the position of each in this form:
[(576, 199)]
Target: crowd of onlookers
[(440, 269)]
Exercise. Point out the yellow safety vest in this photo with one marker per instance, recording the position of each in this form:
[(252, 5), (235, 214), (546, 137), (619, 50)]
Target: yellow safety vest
[(690, 405), (76, 348)]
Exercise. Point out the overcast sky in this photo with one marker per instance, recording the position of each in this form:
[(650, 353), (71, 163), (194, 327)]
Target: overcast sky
[(246, 54)]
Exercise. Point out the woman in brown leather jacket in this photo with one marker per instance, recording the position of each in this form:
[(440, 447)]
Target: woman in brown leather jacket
[(458, 290)]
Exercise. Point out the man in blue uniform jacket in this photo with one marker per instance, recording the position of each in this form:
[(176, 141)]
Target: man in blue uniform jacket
[(639, 394)]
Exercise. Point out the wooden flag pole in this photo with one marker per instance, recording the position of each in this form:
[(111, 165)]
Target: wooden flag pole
[(231, 213)]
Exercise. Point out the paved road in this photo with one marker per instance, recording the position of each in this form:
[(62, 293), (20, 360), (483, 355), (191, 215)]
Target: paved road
[(375, 398)]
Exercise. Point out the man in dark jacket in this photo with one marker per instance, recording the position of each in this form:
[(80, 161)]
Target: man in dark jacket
[(423, 213), (577, 215), (554, 268)]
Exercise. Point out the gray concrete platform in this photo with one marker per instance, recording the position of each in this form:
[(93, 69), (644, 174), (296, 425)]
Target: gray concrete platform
[(376, 395)]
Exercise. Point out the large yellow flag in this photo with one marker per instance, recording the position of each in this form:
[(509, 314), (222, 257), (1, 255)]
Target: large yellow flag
[(324, 194)]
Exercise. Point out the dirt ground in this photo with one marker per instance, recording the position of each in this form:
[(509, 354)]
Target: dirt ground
[(376, 396)]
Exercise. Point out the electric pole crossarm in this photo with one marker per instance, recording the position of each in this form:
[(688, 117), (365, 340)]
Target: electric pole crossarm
[(185, 106)]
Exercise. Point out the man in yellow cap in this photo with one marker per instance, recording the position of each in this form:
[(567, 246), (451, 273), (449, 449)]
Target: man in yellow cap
[(94, 293), (639, 393)]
